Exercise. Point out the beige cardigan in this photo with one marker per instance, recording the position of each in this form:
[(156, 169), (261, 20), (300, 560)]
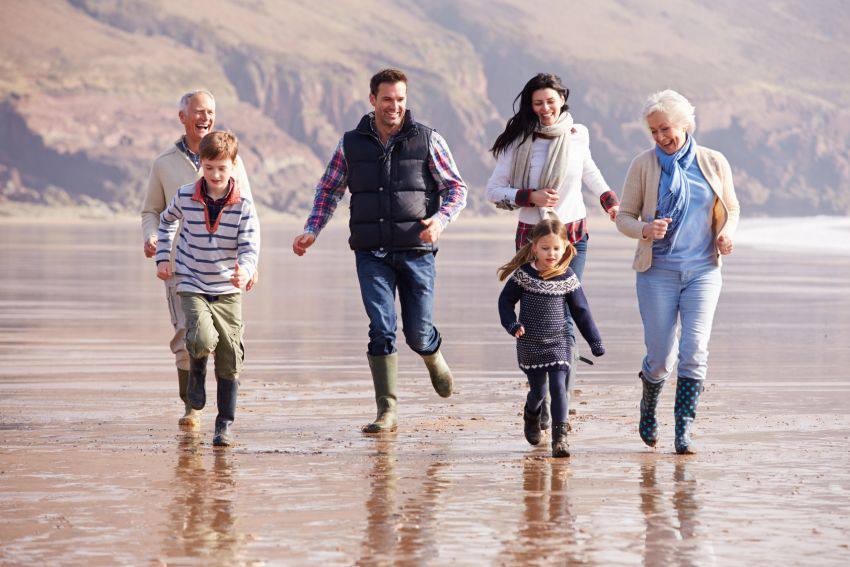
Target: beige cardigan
[(171, 170), (640, 197)]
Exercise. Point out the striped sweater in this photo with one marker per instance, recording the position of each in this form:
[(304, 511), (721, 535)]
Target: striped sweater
[(206, 254)]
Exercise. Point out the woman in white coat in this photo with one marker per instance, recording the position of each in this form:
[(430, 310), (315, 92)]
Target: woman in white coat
[(543, 158)]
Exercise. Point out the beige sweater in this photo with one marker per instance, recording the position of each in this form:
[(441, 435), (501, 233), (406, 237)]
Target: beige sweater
[(171, 170), (640, 197)]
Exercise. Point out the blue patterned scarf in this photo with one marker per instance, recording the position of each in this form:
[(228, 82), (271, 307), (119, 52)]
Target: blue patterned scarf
[(674, 191)]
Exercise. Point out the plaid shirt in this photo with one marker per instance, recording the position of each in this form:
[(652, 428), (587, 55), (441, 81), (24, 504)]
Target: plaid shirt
[(332, 185), (575, 230), (193, 157)]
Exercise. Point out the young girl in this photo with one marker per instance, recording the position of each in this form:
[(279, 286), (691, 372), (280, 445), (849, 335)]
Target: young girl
[(545, 286)]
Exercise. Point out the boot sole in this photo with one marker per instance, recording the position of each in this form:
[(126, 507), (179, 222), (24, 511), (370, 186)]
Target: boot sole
[(371, 430)]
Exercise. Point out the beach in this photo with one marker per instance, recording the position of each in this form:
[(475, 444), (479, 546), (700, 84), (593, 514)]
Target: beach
[(94, 470)]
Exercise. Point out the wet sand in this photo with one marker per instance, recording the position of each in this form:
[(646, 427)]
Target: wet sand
[(93, 469)]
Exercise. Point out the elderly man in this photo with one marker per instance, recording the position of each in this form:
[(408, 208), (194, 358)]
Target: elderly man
[(405, 188), (176, 166)]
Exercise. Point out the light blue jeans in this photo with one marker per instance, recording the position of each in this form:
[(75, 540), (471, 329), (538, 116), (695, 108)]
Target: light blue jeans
[(670, 300)]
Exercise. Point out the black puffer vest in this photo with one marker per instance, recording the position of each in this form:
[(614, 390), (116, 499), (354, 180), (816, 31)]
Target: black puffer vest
[(391, 187)]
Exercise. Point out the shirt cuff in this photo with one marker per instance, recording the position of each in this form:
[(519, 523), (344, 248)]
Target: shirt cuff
[(609, 199), (523, 198)]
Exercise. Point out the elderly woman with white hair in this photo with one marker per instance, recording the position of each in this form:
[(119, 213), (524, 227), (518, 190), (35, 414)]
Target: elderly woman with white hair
[(679, 202)]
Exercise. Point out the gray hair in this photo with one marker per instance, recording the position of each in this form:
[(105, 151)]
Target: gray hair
[(674, 106), (184, 100)]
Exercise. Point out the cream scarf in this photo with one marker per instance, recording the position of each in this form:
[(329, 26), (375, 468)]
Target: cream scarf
[(555, 168)]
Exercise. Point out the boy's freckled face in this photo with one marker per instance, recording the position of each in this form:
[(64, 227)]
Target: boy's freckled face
[(217, 173)]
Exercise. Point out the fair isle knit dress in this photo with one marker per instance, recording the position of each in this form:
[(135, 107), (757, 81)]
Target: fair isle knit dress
[(542, 312)]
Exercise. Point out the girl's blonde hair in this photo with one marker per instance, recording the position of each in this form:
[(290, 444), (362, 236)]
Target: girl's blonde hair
[(525, 254)]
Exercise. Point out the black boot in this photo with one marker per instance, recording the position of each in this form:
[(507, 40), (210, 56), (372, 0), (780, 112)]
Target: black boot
[(685, 411), (560, 447), (226, 397), (532, 424), (196, 393), (191, 417), (648, 426)]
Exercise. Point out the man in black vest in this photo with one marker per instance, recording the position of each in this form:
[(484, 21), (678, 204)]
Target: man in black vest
[(405, 188)]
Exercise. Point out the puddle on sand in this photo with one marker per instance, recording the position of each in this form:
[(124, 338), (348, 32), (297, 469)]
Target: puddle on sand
[(94, 470)]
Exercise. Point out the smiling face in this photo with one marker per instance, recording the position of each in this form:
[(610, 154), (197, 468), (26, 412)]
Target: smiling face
[(547, 104), (548, 250), (669, 137), (198, 118), (389, 103), (217, 173)]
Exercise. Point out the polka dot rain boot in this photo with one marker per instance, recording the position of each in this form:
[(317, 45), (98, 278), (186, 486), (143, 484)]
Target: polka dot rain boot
[(685, 410), (648, 425)]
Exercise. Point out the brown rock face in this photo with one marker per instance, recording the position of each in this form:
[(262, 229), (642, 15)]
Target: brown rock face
[(89, 90)]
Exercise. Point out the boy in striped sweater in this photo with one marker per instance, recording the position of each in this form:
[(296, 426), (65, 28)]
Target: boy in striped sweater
[(217, 251)]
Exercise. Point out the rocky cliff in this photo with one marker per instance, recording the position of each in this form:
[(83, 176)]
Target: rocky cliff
[(89, 89)]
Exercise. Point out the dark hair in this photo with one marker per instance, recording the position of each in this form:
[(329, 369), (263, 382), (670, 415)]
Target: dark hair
[(392, 76), (219, 145), (524, 120)]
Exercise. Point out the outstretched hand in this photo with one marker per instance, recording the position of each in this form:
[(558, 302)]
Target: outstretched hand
[(432, 231), (302, 242), (239, 278), (657, 229), (724, 244), (163, 270), (150, 247), (546, 197), (253, 281)]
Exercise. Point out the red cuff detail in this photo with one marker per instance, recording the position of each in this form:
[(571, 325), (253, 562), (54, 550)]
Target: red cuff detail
[(523, 198), (609, 199)]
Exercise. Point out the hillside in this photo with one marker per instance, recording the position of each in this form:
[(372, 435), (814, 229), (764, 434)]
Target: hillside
[(88, 90)]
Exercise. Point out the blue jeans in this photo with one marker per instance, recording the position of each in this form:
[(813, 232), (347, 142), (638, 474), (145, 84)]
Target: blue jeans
[(577, 264), (665, 298), (412, 273)]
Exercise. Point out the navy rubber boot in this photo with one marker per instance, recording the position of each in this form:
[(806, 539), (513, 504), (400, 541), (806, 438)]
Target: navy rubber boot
[(532, 424), (226, 398), (196, 393), (688, 391), (560, 446)]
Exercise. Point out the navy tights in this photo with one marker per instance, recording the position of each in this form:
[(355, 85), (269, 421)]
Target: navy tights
[(558, 389)]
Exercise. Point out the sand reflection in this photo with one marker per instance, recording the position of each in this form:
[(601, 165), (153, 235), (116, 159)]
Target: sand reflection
[(547, 530), (402, 525), (202, 511), (674, 533)]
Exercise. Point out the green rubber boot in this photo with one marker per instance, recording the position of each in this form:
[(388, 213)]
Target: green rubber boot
[(441, 374), (384, 376), (191, 418)]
